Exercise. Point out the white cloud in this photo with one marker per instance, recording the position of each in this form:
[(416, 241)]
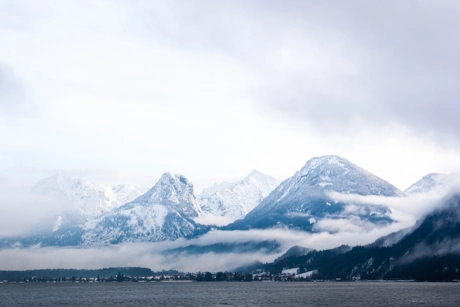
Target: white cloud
[(124, 91), (334, 232), (353, 224), (405, 209), (150, 254), (143, 88), (210, 219)]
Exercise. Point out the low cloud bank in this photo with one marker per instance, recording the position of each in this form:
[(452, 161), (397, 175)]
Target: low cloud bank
[(139, 254), (354, 231), (22, 211), (150, 254), (210, 219)]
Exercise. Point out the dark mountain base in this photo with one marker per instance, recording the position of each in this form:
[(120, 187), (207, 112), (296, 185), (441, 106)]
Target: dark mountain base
[(430, 252)]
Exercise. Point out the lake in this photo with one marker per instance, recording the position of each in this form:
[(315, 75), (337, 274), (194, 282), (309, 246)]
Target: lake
[(232, 294)]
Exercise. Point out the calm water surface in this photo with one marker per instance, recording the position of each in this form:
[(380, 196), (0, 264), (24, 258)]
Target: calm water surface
[(231, 294)]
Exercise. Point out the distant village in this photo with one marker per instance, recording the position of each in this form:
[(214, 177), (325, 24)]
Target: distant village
[(288, 275)]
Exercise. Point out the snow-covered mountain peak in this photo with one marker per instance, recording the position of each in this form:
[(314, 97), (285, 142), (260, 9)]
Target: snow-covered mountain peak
[(165, 212), (79, 195), (215, 188), (427, 183), (58, 183), (305, 198), (255, 174), (316, 162), (169, 178), (235, 200), (435, 183), (333, 173), (175, 191), (325, 164), (263, 182)]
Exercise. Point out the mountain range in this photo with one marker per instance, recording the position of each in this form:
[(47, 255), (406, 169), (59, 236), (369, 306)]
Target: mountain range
[(165, 212), (313, 197), (304, 199)]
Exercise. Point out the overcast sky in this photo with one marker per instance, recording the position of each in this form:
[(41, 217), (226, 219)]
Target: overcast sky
[(122, 91)]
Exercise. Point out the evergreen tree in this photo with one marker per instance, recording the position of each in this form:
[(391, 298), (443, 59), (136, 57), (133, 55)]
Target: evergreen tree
[(208, 276)]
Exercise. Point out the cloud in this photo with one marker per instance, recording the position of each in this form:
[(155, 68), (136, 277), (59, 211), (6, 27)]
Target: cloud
[(12, 93), (214, 89), (405, 210), (339, 65), (350, 232), (210, 219), (22, 212), (353, 224), (151, 254), (125, 255)]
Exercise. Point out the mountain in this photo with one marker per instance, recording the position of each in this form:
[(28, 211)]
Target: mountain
[(80, 200), (437, 183), (169, 210), (165, 212), (235, 200), (296, 251), (429, 251), (305, 199)]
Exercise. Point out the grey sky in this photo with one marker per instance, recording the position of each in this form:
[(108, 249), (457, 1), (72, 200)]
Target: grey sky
[(12, 93), (332, 62), (122, 91)]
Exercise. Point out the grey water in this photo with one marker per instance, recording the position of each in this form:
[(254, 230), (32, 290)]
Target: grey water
[(232, 294)]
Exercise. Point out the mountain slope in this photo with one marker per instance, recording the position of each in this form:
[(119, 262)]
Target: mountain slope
[(304, 199), (165, 212), (430, 251), (235, 200)]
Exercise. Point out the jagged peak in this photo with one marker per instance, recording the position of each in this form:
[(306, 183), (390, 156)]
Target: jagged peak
[(122, 186), (172, 189), (61, 176), (55, 178), (58, 181), (170, 178), (255, 174)]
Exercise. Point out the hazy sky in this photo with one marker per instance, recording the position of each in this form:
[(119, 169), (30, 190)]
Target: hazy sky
[(122, 91)]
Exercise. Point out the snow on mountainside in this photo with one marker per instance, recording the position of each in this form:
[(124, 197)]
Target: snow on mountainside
[(165, 212), (304, 199), (81, 199), (434, 183), (235, 200)]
